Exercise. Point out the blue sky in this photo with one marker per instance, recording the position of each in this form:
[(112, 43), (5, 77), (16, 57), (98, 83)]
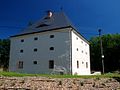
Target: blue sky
[(86, 15)]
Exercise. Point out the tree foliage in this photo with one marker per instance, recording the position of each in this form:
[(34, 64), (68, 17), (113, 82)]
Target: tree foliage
[(111, 50), (4, 52)]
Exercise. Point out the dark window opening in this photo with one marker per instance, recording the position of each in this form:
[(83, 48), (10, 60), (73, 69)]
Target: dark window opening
[(51, 48), (86, 64), (20, 65), (77, 64), (35, 50), (34, 62), (51, 36), (22, 40), (42, 25), (21, 51), (82, 51), (77, 49), (82, 62), (36, 38), (51, 64)]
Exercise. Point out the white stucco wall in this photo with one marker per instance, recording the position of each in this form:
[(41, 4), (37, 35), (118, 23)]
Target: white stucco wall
[(60, 54), (82, 55)]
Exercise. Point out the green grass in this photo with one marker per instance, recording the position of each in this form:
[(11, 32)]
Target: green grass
[(13, 74)]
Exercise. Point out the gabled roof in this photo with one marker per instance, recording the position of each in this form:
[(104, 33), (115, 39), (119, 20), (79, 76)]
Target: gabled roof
[(58, 20)]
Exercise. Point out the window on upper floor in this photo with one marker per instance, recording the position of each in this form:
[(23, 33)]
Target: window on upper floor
[(20, 65), (21, 51), (76, 38), (77, 64), (81, 41), (51, 48), (82, 62), (51, 64), (35, 38), (34, 62), (51, 36), (22, 40)]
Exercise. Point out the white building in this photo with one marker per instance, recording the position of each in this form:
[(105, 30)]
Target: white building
[(51, 45)]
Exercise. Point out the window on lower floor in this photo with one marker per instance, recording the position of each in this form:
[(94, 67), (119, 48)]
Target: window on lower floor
[(20, 65), (76, 38), (77, 64), (51, 64), (34, 62), (86, 64)]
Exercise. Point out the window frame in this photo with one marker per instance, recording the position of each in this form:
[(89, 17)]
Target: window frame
[(51, 64), (22, 40), (20, 65), (86, 64), (51, 48), (35, 62), (21, 50), (35, 50), (52, 36), (77, 64), (35, 38)]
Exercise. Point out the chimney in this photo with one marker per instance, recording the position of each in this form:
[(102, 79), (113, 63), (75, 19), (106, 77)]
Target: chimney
[(49, 13)]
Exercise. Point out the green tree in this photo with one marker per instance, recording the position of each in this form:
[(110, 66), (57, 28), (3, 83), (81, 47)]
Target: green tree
[(111, 49), (4, 52)]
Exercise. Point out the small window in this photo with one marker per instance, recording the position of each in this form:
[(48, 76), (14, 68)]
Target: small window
[(51, 48), (76, 38), (22, 40), (36, 38), (34, 62), (86, 64), (77, 49), (51, 36), (81, 41), (82, 51), (86, 53), (35, 50), (20, 65), (85, 44), (77, 64), (21, 51), (82, 62), (51, 64)]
